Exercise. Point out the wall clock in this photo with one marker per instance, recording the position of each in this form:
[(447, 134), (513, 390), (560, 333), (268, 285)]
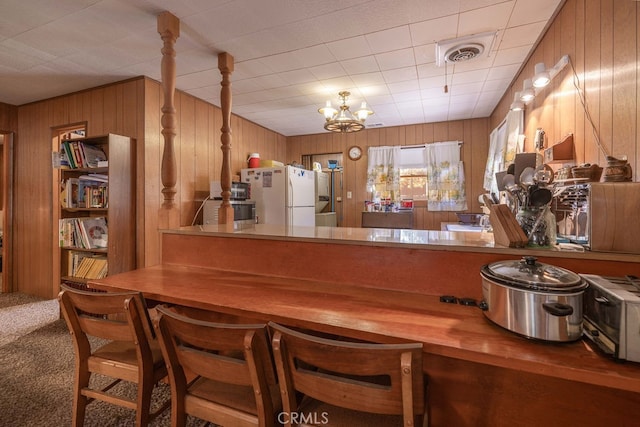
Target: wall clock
[(355, 152)]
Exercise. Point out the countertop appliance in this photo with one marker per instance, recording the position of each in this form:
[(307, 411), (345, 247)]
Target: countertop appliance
[(597, 215), (612, 315), (244, 213), (283, 195), (239, 190), (533, 299)]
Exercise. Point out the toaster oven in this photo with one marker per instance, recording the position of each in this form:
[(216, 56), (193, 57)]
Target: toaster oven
[(599, 215), (611, 315)]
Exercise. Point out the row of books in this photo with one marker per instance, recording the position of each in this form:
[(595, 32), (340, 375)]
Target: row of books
[(87, 266), (86, 233), (86, 191), (77, 154)]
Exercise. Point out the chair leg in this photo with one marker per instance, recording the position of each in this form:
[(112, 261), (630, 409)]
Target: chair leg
[(79, 400), (178, 416), (144, 403)]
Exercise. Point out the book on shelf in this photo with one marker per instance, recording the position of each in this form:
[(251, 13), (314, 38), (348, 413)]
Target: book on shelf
[(69, 193), (82, 155), (91, 155), (94, 232), (92, 193), (85, 233), (88, 266)]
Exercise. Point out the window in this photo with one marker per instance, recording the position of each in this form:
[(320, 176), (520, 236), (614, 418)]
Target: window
[(413, 173)]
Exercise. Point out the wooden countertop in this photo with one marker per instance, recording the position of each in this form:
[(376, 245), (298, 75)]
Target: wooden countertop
[(449, 330), (422, 239)]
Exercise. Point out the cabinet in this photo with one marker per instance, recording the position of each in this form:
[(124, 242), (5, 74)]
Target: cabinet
[(401, 219), (95, 198)]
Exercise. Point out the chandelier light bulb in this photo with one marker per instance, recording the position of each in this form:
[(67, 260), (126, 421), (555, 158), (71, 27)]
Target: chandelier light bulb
[(328, 111)]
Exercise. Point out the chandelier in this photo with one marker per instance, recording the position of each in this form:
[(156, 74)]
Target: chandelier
[(343, 120)]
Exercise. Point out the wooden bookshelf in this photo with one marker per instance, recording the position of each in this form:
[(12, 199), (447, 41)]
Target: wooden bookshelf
[(116, 204)]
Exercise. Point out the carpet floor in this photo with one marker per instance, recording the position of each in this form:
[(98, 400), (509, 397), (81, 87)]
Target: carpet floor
[(36, 382)]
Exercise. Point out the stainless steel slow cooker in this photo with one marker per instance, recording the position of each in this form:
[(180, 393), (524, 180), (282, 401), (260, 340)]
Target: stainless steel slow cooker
[(533, 299)]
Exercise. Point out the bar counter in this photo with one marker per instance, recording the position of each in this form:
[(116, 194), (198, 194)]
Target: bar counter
[(383, 285), (420, 261)]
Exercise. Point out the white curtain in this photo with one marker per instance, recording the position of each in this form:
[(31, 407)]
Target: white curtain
[(445, 177), (505, 142), (383, 172)]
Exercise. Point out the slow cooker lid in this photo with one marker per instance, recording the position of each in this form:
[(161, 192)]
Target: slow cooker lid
[(530, 273)]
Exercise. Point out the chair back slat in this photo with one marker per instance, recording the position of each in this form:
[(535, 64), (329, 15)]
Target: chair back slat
[(374, 378), (237, 354), (103, 315)]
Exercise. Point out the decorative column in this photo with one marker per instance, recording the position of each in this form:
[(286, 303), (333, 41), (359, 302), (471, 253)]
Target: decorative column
[(169, 30), (225, 65)]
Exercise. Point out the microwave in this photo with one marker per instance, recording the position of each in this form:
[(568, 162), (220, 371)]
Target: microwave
[(599, 215), (244, 213), (239, 190)]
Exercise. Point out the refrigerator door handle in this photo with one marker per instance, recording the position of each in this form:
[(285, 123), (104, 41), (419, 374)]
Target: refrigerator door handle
[(290, 192)]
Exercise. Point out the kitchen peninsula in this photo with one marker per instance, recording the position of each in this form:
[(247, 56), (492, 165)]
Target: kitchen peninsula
[(420, 261), (383, 285)]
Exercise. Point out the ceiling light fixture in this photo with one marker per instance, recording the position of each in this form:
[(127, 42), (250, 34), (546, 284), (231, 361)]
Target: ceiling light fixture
[(343, 120), (517, 105), (527, 93)]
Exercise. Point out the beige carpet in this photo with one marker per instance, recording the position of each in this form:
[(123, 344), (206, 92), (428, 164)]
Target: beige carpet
[(21, 314), (36, 373)]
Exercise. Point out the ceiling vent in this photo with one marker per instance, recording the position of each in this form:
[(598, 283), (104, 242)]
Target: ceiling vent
[(463, 49)]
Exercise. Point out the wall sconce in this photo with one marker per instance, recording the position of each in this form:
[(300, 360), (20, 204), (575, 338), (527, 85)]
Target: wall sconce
[(517, 105), (527, 93), (541, 78)]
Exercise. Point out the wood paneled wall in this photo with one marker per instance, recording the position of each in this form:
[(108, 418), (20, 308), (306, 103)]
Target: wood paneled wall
[(198, 156), (8, 118), (130, 108), (474, 134), (602, 39)]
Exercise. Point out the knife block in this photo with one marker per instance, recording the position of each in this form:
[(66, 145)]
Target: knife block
[(506, 230)]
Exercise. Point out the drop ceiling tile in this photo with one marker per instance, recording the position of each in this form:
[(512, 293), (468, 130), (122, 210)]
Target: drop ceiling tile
[(515, 55), (433, 30), (315, 55), (364, 64), (368, 79), (353, 47), (425, 54), (389, 40), (522, 36), (400, 74), (327, 71), (470, 76), (526, 12), (396, 59), (489, 18)]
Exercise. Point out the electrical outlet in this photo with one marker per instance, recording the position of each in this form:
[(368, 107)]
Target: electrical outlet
[(348, 194)]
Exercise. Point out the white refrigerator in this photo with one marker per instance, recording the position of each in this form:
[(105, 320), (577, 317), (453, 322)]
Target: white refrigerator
[(283, 195)]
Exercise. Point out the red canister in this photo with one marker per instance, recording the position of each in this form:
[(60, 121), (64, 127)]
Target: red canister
[(254, 160)]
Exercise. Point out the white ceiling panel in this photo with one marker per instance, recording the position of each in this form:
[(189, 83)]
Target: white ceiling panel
[(290, 56)]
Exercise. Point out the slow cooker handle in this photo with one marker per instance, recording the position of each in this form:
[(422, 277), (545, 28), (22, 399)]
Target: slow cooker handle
[(557, 309)]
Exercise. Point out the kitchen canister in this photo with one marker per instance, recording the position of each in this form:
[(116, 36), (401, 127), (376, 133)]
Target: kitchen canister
[(254, 160)]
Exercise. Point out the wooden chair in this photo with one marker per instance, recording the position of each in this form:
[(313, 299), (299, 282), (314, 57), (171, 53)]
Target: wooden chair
[(219, 372), (332, 382), (131, 353)]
